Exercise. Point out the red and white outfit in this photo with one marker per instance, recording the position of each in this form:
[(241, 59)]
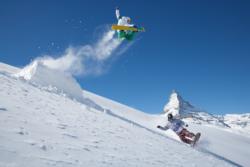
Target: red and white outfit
[(177, 126)]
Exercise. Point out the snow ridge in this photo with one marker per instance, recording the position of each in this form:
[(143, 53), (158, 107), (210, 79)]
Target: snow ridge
[(52, 80)]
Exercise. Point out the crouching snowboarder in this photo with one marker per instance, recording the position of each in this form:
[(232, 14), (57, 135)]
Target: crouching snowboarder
[(177, 126)]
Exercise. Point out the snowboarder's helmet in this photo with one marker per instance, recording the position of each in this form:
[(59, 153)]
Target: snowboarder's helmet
[(170, 117)]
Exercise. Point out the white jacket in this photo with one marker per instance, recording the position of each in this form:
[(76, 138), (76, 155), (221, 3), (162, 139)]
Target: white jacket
[(175, 124), (122, 20)]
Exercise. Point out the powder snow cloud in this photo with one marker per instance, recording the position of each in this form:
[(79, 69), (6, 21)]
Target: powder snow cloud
[(86, 59)]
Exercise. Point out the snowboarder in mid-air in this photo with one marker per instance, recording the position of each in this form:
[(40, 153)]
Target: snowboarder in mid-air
[(177, 126), (124, 28)]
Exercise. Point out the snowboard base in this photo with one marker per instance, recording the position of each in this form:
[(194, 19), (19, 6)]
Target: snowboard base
[(118, 27)]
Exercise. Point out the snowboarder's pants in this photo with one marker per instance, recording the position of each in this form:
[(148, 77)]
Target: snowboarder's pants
[(129, 35), (186, 136)]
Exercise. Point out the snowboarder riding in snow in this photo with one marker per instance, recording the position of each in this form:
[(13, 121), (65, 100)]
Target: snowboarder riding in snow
[(124, 28), (177, 126)]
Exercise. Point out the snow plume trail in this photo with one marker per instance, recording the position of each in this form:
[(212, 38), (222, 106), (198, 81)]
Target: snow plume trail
[(87, 59)]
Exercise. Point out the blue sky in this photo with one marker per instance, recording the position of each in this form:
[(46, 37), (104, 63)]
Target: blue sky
[(199, 48)]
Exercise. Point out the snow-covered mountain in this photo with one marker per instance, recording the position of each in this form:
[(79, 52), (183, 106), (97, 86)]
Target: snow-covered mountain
[(177, 105), (240, 122), (46, 119), (182, 108)]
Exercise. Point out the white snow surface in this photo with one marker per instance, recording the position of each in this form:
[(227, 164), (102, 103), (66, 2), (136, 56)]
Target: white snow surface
[(54, 80), (5, 68), (42, 127), (241, 122)]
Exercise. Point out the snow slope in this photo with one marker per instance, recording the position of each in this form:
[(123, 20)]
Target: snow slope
[(241, 122), (5, 68), (43, 127), (38, 74)]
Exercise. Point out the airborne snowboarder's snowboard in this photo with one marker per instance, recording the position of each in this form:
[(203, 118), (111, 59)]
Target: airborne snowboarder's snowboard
[(196, 139), (118, 27)]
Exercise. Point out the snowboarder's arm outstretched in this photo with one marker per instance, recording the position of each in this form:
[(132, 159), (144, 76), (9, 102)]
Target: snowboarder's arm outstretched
[(163, 127), (117, 13)]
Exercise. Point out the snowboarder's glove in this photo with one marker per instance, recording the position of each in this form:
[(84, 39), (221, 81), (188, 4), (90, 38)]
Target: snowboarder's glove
[(158, 126)]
